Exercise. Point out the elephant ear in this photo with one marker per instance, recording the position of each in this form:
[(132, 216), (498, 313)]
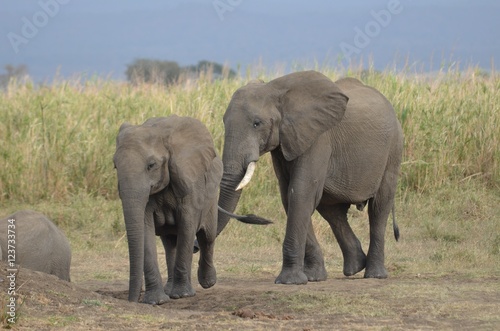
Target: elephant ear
[(124, 126), (310, 104), (192, 153)]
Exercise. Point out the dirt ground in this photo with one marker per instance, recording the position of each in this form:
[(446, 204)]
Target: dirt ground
[(398, 303)]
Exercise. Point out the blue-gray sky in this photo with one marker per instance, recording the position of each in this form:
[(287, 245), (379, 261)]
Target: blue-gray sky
[(90, 37)]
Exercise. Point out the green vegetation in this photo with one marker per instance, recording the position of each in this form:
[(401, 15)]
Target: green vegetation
[(62, 321), (57, 144), (168, 72), (59, 140), (13, 73), (56, 149)]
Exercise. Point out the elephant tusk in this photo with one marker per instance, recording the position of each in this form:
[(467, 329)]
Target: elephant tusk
[(248, 176)]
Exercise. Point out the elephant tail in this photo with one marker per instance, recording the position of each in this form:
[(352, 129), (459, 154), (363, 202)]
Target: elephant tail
[(249, 219), (394, 224)]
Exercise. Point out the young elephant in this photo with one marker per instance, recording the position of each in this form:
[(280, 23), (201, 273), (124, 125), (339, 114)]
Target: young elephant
[(168, 178), (34, 242)]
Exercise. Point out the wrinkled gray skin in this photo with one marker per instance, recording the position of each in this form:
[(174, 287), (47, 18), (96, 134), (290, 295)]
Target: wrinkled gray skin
[(39, 244), (168, 178), (332, 145)]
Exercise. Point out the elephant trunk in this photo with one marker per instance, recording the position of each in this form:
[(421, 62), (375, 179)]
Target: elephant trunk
[(228, 198), (239, 159), (134, 205)]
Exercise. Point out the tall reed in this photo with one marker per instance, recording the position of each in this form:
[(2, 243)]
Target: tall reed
[(59, 140)]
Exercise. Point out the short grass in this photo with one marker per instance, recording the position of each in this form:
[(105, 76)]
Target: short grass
[(57, 143)]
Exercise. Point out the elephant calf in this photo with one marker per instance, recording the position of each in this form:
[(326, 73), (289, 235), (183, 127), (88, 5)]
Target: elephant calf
[(34, 242), (168, 179)]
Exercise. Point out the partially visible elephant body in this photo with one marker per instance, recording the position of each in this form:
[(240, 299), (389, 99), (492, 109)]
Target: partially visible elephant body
[(366, 146), (168, 179), (332, 145), (39, 244)]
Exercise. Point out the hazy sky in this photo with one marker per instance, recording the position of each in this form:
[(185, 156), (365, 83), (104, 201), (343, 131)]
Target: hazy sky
[(101, 37)]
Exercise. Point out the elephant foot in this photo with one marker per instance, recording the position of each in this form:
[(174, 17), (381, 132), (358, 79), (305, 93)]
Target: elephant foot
[(354, 265), (316, 272), (376, 272), (155, 297), (291, 277), (182, 292), (207, 277)]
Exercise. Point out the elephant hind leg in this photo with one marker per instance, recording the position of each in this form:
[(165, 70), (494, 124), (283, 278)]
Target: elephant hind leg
[(375, 259), (354, 257), (207, 275), (379, 209), (170, 245)]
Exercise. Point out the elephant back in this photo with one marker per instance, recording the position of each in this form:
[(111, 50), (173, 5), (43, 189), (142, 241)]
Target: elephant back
[(40, 244)]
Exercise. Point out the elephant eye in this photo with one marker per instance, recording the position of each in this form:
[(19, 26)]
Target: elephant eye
[(257, 123), (151, 165)]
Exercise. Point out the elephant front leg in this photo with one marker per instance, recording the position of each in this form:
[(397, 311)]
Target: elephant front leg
[(292, 271), (301, 187), (181, 284), (294, 245), (154, 293), (314, 262)]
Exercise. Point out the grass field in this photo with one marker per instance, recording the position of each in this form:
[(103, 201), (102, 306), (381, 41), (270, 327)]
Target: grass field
[(57, 143)]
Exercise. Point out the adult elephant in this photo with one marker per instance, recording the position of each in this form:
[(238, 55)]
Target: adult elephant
[(30, 239), (168, 179), (332, 145)]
